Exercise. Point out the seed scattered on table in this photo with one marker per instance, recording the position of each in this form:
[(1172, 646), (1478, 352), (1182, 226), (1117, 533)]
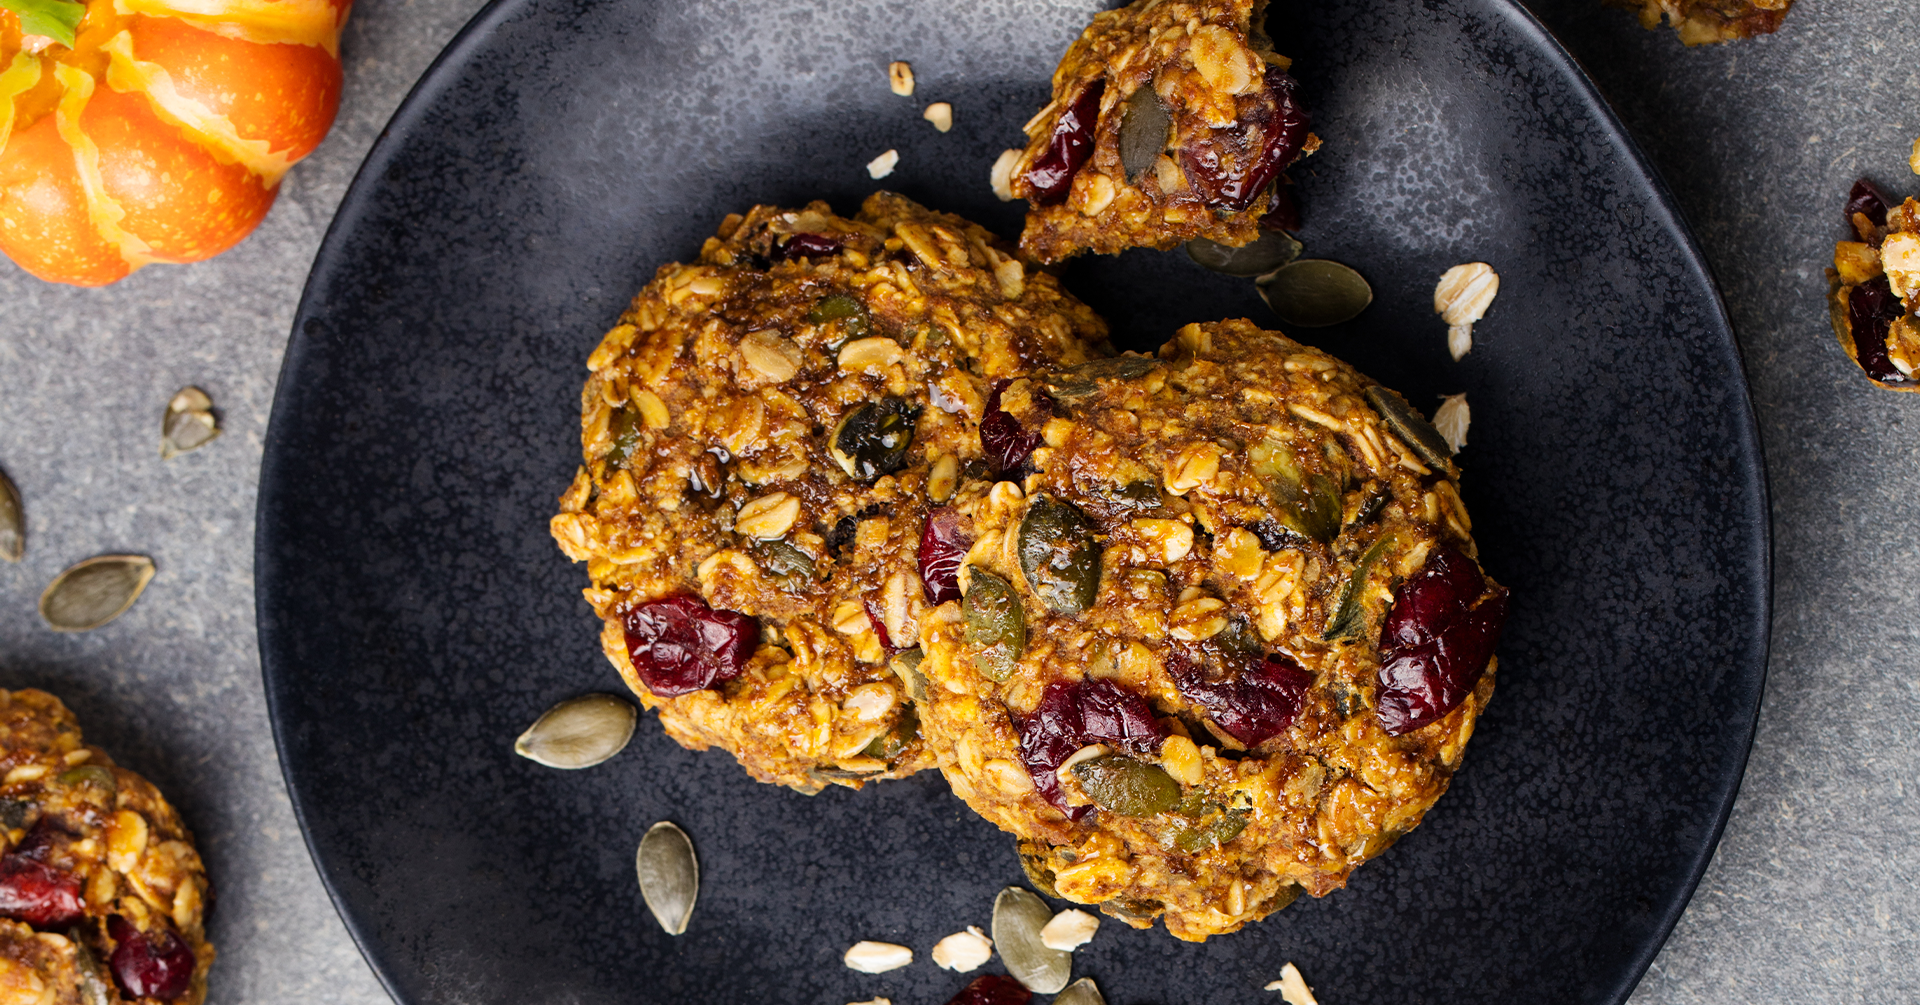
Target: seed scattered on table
[(940, 114), (188, 424), (1069, 930), (579, 732), (877, 957), (1081, 992), (1462, 297), (1018, 918), (1315, 293), (900, 77), (94, 592), (669, 875), (1292, 987), (963, 951)]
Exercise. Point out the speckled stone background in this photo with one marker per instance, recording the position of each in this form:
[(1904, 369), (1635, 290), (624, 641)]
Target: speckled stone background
[(1810, 895)]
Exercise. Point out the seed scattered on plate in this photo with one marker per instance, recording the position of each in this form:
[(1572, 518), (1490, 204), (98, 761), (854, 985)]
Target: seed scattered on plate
[(877, 957), (188, 424), (1292, 987), (1461, 298), (1002, 177), (1272, 250), (1069, 930), (669, 875), (883, 165), (1018, 918), (579, 732), (13, 521), (1315, 293), (963, 951), (940, 114), (1451, 419), (94, 592), (900, 77), (1081, 992)]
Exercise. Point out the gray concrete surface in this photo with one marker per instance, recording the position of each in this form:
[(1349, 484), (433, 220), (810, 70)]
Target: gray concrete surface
[(1811, 895)]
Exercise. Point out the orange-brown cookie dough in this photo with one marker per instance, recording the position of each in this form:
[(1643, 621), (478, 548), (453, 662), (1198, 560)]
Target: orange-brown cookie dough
[(763, 433), (100, 885), (1699, 22), (1874, 287), (1170, 120), (1223, 636)]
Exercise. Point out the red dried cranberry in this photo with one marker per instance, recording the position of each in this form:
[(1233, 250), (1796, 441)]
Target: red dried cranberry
[(879, 624), (1283, 213), (1255, 704), (807, 246), (993, 989), (1867, 198), (155, 964), (1051, 175), (1230, 167), (1871, 311), (33, 891), (1071, 716), (680, 645), (1436, 641), (942, 549), (1006, 444)]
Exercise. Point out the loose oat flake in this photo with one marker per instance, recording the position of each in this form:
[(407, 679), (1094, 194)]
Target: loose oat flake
[(963, 951), (94, 592), (669, 875), (1081, 992), (188, 424), (877, 957), (940, 114), (579, 732), (883, 165), (13, 521), (1462, 297), (900, 77), (1018, 918), (1069, 930), (1292, 987), (1002, 176), (1451, 419)]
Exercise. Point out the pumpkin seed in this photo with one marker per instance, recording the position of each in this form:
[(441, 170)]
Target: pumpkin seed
[(13, 521), (188, 423), (1033, 862), (851, 313), (1306, 504), (789, 567), (625, 427), (1080, 992), (1018, 917), (15, 812), (873, 438), (1078, 381), (888, 745), (1315, 293), (579, 732), (1128, 787), (1059, 555), (1212, 833), (1349, 615), (1270, 251), (88, 774), (906, 666), (996, 625), (1408, 424), (1144, 131), (669, 875), (94, 592)]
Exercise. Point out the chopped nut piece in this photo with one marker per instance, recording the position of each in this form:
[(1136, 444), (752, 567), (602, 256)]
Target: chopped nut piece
[(1451, 420), (1002, 177), (1461, 298), (963, 951), (1069, 930), (882, 166), (900, 77), (877, 957), (1292, 987), (940, 114)]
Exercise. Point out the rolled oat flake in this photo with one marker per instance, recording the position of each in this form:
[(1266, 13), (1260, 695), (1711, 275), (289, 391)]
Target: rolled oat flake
[(188, 424), (1018, 917), (94, 592), (669, 875), (579, 732)]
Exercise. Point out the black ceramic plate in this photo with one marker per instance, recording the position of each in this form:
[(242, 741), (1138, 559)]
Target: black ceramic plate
[(414, 616)]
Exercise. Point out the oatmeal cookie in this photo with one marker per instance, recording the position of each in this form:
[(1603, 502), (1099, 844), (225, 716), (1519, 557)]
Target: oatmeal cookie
[(1874, 287), (1171, 120), (763, 432), (1223, 636), (1703, 21), (100, 884)]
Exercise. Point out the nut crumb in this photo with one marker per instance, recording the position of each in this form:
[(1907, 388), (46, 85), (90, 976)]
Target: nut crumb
[(963, 951), (877, 957), (940, 114), (1002, 177), (1462, 297), (1451, 420), (1069, 930), (882, 166), (1292, 987), (900, 77)]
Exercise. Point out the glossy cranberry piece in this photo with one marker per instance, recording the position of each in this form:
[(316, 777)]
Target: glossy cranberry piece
[(155, 964), (680, 645), (1006, 443), (33, 891), (1254, 704), (1071, 716), (1229, 168), (942, 548), (1867, 198), (1436, 640), (807, 246), (1051, 175), (1871, 310), (992, 989)]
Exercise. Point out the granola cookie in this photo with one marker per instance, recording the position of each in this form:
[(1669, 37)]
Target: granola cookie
[(1223, 637), (763, 432), (100, 884), (1171, 120), (1703, 21), (1874, 285)]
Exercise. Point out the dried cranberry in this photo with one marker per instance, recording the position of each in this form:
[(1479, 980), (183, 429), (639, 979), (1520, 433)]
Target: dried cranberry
[(807, 246), (1071, 716), (1230, 167), (1007, 445), (942, 548), (1283, 213), (33, 891), (1871, 311), (1051, 175), (680, 645), (1436, 641), (993, 989), (155, 964), (1256, 703), (1867, 198)]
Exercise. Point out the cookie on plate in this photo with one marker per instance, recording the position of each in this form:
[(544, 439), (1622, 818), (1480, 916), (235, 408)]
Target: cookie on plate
[(763, 433), (1170, 120), (101, 889), (1874, 299), (1223, 636), (1699, 22)]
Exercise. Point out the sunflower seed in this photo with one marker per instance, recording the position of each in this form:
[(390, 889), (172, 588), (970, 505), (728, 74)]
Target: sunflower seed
[(579, 732), (1080, 992), (1018, 917), (1273, 250), (1315, 293), (94, 592), (13, 521), (877, 957), (188, 424), (669, 875)]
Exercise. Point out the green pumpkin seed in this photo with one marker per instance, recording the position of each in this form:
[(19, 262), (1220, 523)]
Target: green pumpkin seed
[(14, 813), (579, 732), (188, 423), (1144, 132), (1080, 992), (1033, 862), (1127, 787), (13, 521), (906, 666), (890, 744), (1069, 384), (852, 315), (996, 625), (1315, 293), (1370, 507), (1271, 250), (1018, 917), (1349, 615), (624, 426), (94, 592), (789, 567), (669, 875), (1408, 424), (89, 774), (1059, 555), (1308, 504), (1210, 833), (872, 439)]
